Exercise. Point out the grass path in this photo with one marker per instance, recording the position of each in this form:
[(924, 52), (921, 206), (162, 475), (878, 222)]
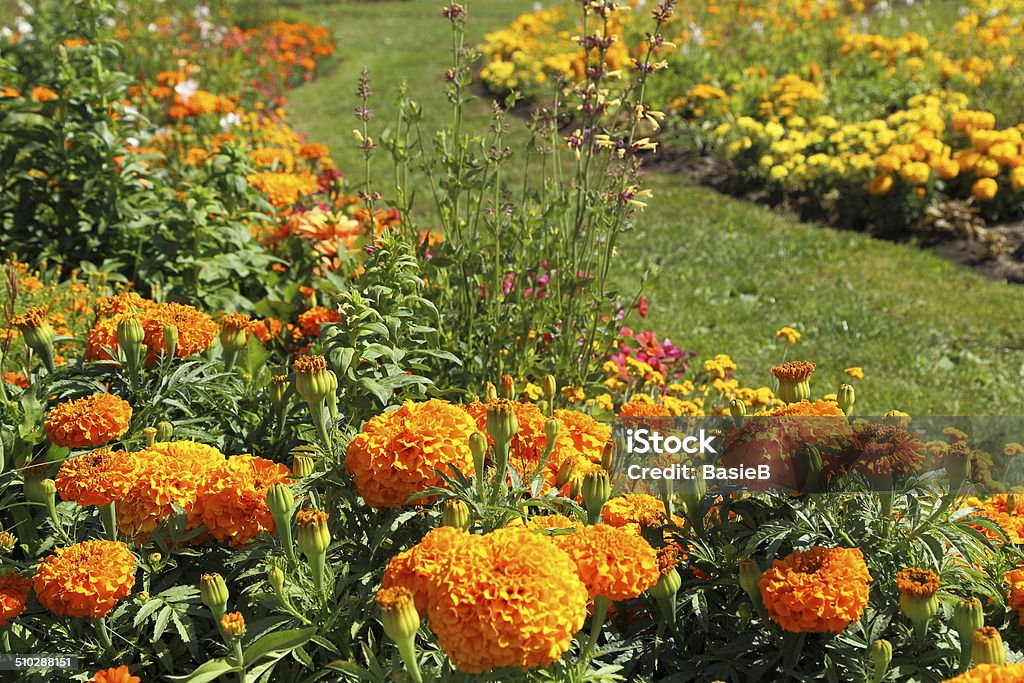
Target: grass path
[(933, 337)]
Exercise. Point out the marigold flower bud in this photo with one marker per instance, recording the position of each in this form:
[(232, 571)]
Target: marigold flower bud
[(988, 647), (1012, 503), (550, 387), (279, 391), (608, 456), (234, 332), (302, 465), (794, 380), (214, 594), (314, 535), (7, 541), (37, 332), (401, 621), (502, 423), (150, 434), (880, 652), (275, 577), (918, 599), (565, 472), (692, 492), (896, 417), (738, 411), (508, 387), (232, 626), (968, 617), (34, 475), (478, 447), (808, 469), (958, 468), (130, 333), (551, 429), (312, 381), (490, 392), (155, 559), (455, 514), (142, 597), (846, 398), (164, 432), (597, 489), (280, 500), (49, 488), (170, 334)]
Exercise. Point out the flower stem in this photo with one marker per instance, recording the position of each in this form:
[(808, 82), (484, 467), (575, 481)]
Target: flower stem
[(104, 633), (239, 659), (108, 515), (407, 649), (601, 604)]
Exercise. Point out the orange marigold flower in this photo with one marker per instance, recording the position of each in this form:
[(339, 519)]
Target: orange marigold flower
[(589, 436), (232, 501), (1016, 595), (507, 599), (313, 150), (90, 421), (32, 319), (529, 443), (997, 509), (642, 509), (917, 583), (86, 579), (794, 370), (169, 473), (416, 568), (284, 189), (196, 330), (821, 590), (119, 674), (14, 590), (612, 562), (17, 379), (267, 330), (96, 478), (41, 94), (311, 320), (808, 409), (882, 449), (991, 673), (396, 453)]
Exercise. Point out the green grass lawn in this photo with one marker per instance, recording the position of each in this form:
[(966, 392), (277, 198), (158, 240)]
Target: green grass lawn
[(933, 338)]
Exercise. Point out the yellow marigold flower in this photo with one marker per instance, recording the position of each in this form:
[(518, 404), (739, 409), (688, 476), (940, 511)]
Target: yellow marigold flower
[(284, 189), (533, 391), (915, 173), (510, 599), (90, 421), (880, 185), (991, 673), (854, 372), (985, 189), (119, 674), (395, 454), (86, 579), (1013, 449), (416, 568), (821, 590), (790, 335), (612, 562), (232, 501), (14, 591), (96, 478), (589, 437)]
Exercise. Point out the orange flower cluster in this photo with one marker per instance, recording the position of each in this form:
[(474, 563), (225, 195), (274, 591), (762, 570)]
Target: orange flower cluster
[(530, 441), (641, 509), (396, 453), (14, 590), (509, 598), (821, 590), (96, 478), (86, 579), (90, 421), (119, 674), (284, 189), (612, 562), (589, 437), (1015, 598), (232, 500), (991, 673), (996, 509), (196, 330), (311, 320), (167, 474)]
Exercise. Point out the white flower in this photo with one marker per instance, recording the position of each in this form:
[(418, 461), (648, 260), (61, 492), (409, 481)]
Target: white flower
[(229, 121), (186, 89)]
